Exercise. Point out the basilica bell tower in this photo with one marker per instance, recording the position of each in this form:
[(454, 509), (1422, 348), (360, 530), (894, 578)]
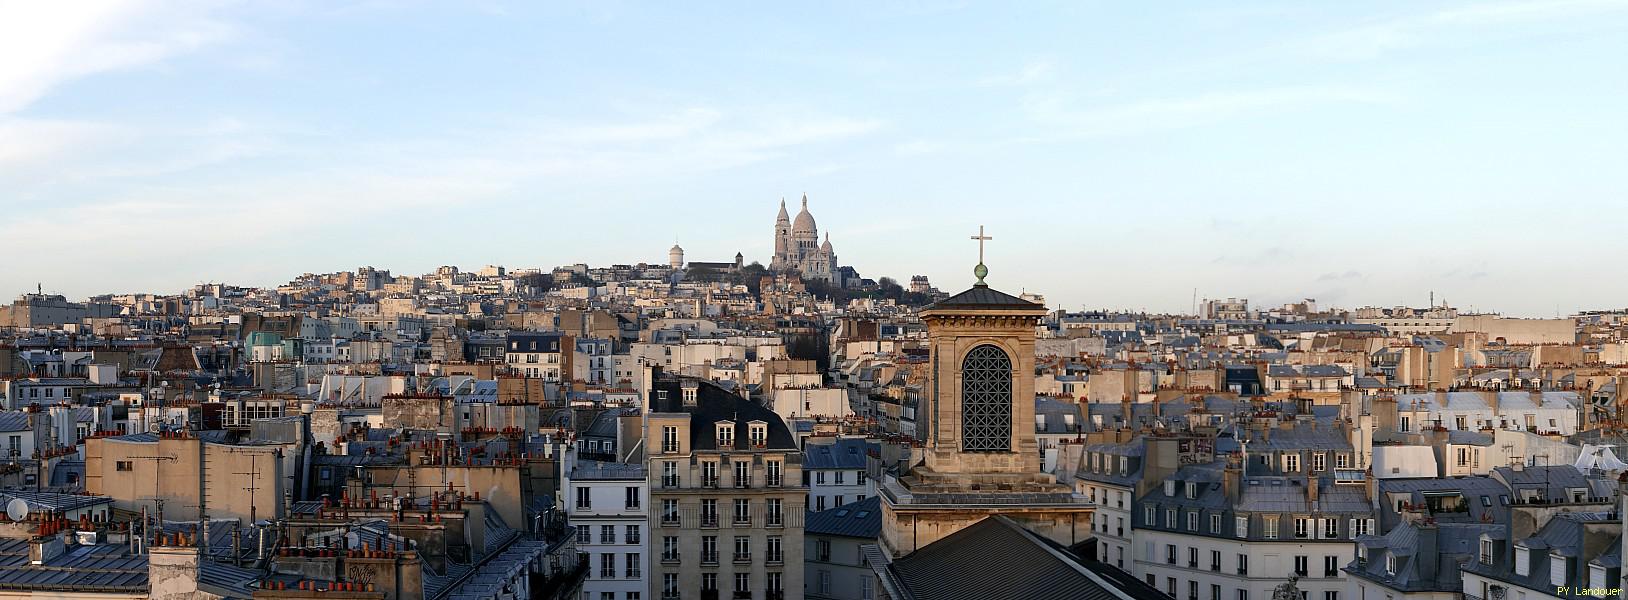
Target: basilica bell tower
[(980, 456)]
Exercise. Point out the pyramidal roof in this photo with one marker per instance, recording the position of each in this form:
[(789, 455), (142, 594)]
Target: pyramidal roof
[(985, 298)]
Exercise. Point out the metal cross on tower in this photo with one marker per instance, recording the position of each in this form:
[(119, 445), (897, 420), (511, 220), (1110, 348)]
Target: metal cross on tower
[(981, 271)]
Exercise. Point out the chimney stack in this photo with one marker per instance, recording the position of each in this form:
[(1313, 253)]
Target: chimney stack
[(1311, 488)]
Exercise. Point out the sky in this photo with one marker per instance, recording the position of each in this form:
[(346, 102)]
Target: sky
[(1121, 155)]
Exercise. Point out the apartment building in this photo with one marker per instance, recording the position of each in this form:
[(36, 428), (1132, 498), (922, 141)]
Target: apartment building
[(726, 493), (608, 505)]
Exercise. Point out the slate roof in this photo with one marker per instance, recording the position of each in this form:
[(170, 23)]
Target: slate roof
[(100, 568), (714, 404), (983, 297), (845, 453), (862, 519), (1029, 567)]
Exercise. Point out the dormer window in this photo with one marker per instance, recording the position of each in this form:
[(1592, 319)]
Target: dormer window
[(1486, 551), (726, 435), (759, 434), (690, 392), (1523, 561), (1192, 490), (1557, 569), (1170, 487), (1390, 564)]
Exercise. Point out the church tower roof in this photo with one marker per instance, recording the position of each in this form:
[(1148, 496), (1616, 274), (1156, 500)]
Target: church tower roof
[(783, 218), (827, 245), (805, 221)]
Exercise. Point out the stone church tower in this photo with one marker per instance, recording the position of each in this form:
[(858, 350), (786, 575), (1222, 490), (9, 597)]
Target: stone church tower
[(981, 457), (797, 246)]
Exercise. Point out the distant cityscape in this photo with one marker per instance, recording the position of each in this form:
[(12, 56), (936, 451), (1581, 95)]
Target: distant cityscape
[(614, 432)]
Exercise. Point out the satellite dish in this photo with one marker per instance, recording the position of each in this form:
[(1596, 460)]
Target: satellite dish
[(17, 509)]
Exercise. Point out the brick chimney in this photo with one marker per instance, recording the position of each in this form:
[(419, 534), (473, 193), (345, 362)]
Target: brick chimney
[(1311, 487)]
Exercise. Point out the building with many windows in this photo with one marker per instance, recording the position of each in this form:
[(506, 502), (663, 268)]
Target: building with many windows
[(608, 505), (726, 492), (834, 470)]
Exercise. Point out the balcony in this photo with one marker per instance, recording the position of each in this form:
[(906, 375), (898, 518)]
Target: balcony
[(743, 595), (709, 521), (669, 520), (743, 482), (775, 595), (709, 482), (709, 558), (773, 520), (742, 558), (773, 480), (743, 519), (669, 481), (669, 557), (775, 558), (707, 595)]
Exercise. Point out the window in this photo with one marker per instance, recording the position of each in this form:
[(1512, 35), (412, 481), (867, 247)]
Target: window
[(1241, 524), (1243, 564), (743, 474), (669, 511), (584, 535), (1331, 528), (1291, 463), (632, 497), (1192, 590), (1170, 586), (709, 549), (1390, 563), (822, 550), (669, 439), (1331, 566), (1331, 595), (1215, 560), (772, 552), (773, 472), (633, 565), (1243, 594), (743, 583), (607, 534), (1557, 569), (1342, 461), (1319, 461), (743, 548), (726, 435), (1271, 523), (1148, 517), (1192, 557), (709, 473), (771, 513), (669, 474), (772, 583), (1192, 521), (1215, 524), (1300, 566), (759, 434), (1215, 592), (986, 400), (819, 478), (1463, 457), (1302, 527), (1486, 552), (823, 581), (632, 534), (669, 586), (124, 465), (1170, 518), (709, 512), (839, 480), (1170, 554), (1361, 527), (709, 582), (607, 566)]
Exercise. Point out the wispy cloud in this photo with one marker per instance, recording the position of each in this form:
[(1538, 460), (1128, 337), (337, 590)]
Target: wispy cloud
[(49, 43), (1380, 37), (1032, 72), (1061, 116)]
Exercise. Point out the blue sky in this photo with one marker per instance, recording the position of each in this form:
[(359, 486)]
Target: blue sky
[(1121, 155)]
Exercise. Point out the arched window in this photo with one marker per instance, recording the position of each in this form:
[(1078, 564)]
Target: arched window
[(986, 400)]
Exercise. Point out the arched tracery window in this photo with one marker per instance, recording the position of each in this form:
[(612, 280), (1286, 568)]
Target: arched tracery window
[(986, 400)]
